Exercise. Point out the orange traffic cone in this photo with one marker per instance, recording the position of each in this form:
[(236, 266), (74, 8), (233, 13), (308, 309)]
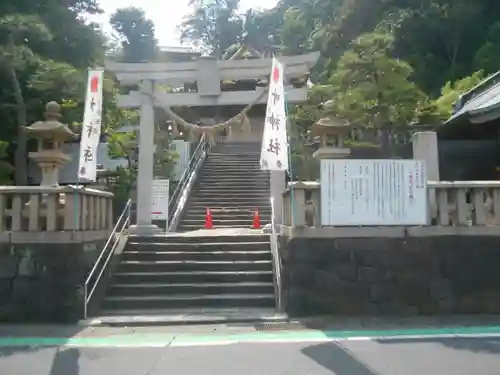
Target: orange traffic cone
[(209, 224), (256, 220)]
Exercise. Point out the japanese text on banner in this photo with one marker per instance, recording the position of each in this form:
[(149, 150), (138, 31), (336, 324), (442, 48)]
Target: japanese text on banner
[(274, 152), (91, 129)]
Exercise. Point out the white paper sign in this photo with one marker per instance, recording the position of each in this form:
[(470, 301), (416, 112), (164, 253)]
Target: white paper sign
[(274, 152), (159, 200), (91, 127), (373, 192)]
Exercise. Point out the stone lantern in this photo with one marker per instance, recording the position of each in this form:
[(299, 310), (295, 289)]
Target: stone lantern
[(51, 134), (332, 134), (104, 176)]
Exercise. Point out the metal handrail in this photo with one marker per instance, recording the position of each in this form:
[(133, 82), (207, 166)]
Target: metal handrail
[(186, 177), (276, 259), (125, 220)]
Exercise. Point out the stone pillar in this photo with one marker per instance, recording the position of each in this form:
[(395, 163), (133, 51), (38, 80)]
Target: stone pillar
[(145, 168), (425, 147)]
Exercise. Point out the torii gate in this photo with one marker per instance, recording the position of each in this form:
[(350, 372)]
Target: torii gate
[(208, 73)]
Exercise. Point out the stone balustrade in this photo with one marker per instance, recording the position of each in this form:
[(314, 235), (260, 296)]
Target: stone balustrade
[(464, 203), (451, 203), (39, 212)]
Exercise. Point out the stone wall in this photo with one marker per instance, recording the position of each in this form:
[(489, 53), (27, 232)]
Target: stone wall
[(391, 276), (44, 282)]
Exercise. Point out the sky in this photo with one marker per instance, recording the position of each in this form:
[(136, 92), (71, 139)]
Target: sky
[(167, 14)]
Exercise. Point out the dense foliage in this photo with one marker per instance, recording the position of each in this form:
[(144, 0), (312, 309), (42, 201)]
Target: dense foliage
[(384, 63), (45, 51)]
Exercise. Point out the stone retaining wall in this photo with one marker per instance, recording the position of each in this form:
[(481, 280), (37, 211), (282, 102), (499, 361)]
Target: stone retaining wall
[(44, 282), (391, 276)]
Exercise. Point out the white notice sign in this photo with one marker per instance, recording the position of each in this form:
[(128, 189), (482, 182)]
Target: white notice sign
[(274, 151), (373, 192), (160, 197)]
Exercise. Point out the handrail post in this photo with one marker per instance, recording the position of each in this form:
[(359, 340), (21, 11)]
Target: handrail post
[(85, 294), (119, 227), (187, 176), (129, 210)]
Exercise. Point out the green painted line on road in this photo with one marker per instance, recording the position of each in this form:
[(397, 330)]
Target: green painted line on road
[(146, 340), (112, 340), (309, 335)]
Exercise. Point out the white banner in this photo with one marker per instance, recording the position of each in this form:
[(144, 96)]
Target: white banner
[(373, 192), (274, 152), (159, 200), (91, 127)]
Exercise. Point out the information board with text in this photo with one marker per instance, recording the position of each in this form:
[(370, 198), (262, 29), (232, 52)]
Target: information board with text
[(159, 198), (373, 192)]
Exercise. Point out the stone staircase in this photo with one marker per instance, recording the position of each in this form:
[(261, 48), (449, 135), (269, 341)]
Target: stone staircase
[(232, 185), (189, 272), (181, 274)]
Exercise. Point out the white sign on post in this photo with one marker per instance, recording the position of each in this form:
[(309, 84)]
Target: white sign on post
[(373, 192), (159, 201), (91, 127), (274, 151)]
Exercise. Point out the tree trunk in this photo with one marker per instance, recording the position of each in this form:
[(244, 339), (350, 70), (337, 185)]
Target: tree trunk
[(20, 156)]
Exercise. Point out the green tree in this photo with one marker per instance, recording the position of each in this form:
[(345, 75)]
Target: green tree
[(213, 26), (137, 35), (16, 55), (371, 88), (452, 90)]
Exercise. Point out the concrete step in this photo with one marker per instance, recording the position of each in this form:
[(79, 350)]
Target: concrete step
[(231, 193), (232, 211), (264, 195), (219, 255), (225, 159), (192, 265), (213, 202), (181, 300), (236, 151), (233, 167), (254, 150), (220, 217), (151, 289), (219, 223), (201, 240), (230, 182), (217, 184), (234, 173), (244, 210), (233, 189), (205, 247), (218, 203), (193, 277), (214, 181), (193, 218), (193, 227), (250, 199), (188, 316)]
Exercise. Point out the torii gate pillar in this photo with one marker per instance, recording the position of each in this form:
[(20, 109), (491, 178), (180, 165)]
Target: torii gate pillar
[(145, 172)]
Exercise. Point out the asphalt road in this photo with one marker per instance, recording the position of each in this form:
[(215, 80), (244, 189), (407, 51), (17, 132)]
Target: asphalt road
[(453, 356)]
